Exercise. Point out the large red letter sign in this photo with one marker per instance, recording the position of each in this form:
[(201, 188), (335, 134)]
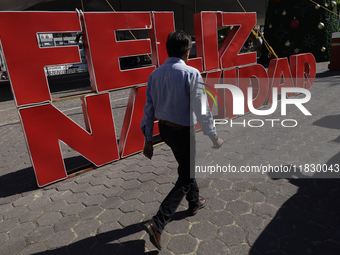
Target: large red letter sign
[(104, 49), (243, 24), (206, 39), (44, 126), (132, 139), (25, 62)]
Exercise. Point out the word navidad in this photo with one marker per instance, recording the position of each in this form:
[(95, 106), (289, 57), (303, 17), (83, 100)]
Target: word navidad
[(45, 126)]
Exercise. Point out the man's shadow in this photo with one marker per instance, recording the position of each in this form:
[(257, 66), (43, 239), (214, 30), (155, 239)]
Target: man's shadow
[(309, 221), (107, 243)]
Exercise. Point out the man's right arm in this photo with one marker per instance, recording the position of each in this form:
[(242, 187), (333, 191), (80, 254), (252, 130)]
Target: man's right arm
[(147, 123)]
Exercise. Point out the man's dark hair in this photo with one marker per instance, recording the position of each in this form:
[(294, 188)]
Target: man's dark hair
[(178, 43)]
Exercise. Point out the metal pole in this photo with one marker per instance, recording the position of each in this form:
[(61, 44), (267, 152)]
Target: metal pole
[(82, 5), (195, 6)]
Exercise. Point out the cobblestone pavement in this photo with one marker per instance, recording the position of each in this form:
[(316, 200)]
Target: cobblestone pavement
[(102, 211)]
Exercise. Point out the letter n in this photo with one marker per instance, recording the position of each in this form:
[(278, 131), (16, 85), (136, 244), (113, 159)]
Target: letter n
[(44, 126)]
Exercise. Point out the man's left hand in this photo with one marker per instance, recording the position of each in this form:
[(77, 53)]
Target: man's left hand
[(148, 149), (217, 142)]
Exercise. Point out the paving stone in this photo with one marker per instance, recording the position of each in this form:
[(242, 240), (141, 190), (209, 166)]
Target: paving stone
[(130, 176), (242, 186), (80, 188), (113, 192), (60, 239), (56, 206), (110, 231), (30, 215), (240, 250), (131, 235), (110, 216), (149, 209), (231, 235), (133, 184), (289, 189), (276, 199), (177, 227), (12, 246), (23, 201), (72, 209), (266, 188), (35, 248), (7, 225), (253, 197), (131, 194), (221, 218), (182, 244), (3, 238), (130, 218), (130, 206), (146, 168), (252, 236), (264, 210), (212, 247), (221, 184), (238, 207), (116, 182), (208, 192), (40, 234), (249, 222), (163, 179), (100, 181), (148, 186), (61, 195), (214, 204), (76, 198), (165, 188), (87, 228), (16, 212), (112, 203), (49, 219), (149, 196), (22, 230), (66, 223), (203, 231), (229, 195), (84, 178), (146, 177), (90, 212), (93, 200), (6, 208), (66, 185)]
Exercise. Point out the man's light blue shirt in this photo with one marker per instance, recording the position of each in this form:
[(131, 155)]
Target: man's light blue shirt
[(172, 94)]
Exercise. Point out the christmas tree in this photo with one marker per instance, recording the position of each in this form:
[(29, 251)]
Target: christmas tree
[(300, 26)]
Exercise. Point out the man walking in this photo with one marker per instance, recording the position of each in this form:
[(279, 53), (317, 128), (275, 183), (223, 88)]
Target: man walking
[(173, 96)]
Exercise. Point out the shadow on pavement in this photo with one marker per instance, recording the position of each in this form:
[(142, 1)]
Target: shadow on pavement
[(24, 180), (107, 243), (307, 223)]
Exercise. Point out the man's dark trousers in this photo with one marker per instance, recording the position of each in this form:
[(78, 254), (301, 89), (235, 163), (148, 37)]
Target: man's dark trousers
[(183, 144)]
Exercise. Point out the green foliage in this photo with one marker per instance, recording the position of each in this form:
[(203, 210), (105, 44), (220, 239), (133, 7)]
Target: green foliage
[(307, 37)]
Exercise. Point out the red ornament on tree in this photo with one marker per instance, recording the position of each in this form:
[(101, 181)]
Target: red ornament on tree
[(294, 24), (277, 1)]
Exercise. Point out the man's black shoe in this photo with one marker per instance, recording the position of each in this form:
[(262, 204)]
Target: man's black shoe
[(155, 237), (193, 212)]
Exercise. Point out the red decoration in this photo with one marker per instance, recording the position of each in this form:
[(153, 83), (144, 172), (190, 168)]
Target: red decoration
[(294, 24), (277, 1)]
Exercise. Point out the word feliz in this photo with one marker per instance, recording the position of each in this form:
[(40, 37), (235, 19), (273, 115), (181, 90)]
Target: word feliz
[(45, 126)]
